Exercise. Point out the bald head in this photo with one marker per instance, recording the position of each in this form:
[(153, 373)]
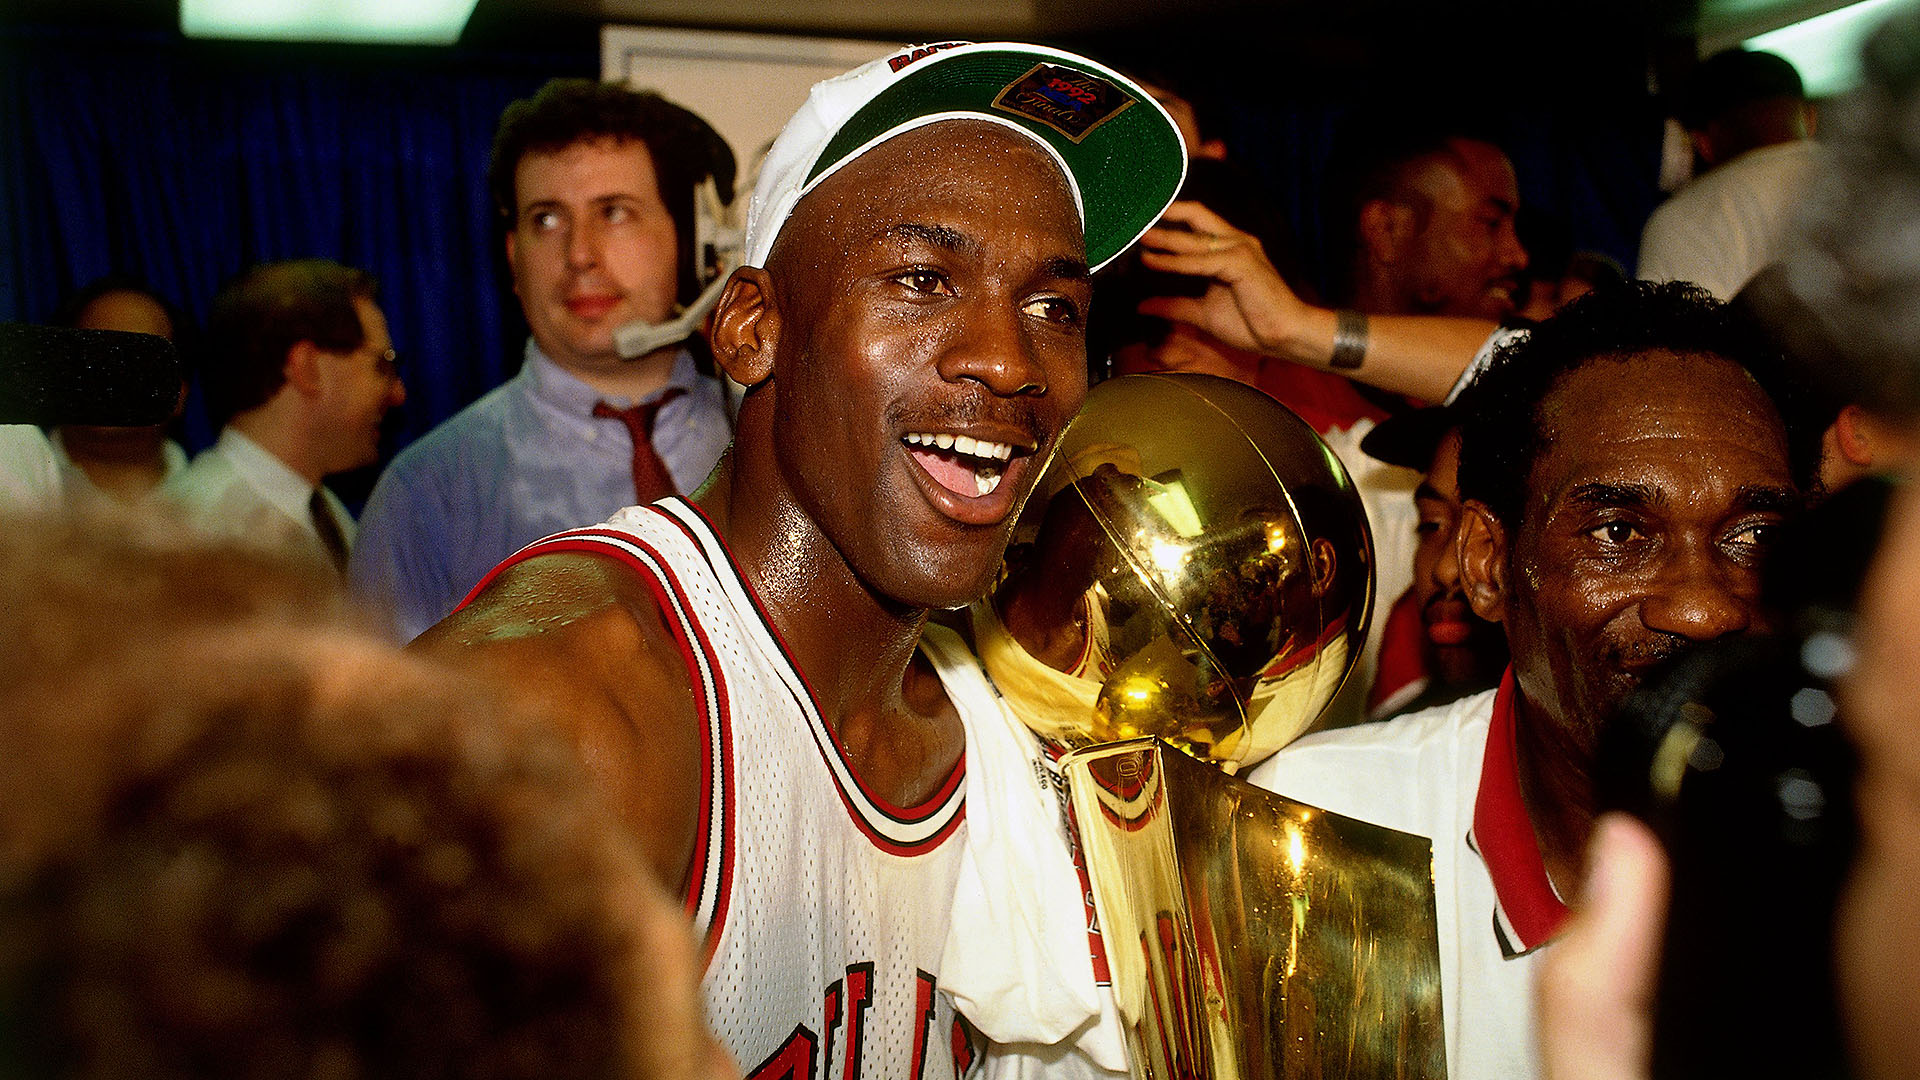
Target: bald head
[(1440, 239)]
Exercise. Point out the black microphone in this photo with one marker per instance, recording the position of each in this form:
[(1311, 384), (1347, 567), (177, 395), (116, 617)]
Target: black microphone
[(52, 375)]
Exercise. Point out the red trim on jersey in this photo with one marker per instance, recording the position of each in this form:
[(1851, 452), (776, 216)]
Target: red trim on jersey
[(1096, 944), (722, 714), (520, 556), (605, 543), (895, 847), (1503, 834), (1290, 662), (926, 810)]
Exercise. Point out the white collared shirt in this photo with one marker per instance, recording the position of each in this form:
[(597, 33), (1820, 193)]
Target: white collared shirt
[(527, 460), (238, 490)]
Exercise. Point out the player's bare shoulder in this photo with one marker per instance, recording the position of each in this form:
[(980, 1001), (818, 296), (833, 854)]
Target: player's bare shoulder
[(580, 638)]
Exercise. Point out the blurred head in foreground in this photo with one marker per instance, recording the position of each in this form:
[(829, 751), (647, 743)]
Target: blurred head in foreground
[(239, 837), (1857, 271)]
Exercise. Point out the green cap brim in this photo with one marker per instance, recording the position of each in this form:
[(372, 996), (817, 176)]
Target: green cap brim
[(1127, 159)]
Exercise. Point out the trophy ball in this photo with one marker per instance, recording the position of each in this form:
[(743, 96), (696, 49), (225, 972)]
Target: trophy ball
[(1198, 553)]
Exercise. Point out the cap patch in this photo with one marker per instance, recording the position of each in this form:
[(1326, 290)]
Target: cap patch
[(1070, 102)]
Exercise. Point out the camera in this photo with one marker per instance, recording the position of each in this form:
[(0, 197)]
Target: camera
[(1736, 755)]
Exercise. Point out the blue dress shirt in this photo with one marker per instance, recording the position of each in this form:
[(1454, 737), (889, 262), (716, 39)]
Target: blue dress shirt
[(527, 460)]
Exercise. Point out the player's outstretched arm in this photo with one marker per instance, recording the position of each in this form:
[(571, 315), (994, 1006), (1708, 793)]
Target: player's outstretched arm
[(579, 639), (1249, 306)]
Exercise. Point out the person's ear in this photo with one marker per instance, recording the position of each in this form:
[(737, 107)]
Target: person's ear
[(513, 267), (746, 327), (1326, 565), (1853, 436), (1385, 228), (1481, 546), (302, 369)]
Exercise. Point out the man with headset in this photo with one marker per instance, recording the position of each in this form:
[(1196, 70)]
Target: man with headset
[(596, 186)]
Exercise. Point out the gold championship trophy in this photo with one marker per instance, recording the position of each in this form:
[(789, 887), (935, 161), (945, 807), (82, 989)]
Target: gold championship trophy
[(1187, 590)]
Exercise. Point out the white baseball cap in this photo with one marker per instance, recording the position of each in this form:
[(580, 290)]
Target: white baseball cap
[(1120, 151)]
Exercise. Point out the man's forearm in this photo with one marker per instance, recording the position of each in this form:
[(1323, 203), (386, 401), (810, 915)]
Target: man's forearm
[(1421, 356)]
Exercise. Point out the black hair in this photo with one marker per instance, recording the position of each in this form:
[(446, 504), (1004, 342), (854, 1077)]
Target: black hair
[(261, 314), (1503, 431), (684, 149)]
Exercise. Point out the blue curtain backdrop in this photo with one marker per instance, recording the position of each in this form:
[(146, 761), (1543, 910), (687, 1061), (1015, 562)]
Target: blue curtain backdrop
[(182, 163)]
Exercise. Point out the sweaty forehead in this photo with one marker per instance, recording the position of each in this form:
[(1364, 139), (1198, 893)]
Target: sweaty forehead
[(957, 168), (1700, 409)]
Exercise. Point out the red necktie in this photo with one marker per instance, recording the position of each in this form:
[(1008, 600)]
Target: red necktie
[(650, 477)]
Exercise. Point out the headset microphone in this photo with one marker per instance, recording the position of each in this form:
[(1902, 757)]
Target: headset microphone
[(640, 337), (716, 251)]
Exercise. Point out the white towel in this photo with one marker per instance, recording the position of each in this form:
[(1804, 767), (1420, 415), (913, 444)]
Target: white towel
[(1016, 959)]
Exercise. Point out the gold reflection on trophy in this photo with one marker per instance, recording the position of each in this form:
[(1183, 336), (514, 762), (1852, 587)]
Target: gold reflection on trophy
[(1195, 568), (1199, 553)]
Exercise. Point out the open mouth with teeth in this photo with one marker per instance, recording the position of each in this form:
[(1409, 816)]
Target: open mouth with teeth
[(966, 466)]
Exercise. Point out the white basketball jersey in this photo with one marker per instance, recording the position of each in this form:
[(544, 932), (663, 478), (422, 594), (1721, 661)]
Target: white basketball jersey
[(824, 908)]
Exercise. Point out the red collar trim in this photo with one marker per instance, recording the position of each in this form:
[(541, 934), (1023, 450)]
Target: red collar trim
[(1527, 912)]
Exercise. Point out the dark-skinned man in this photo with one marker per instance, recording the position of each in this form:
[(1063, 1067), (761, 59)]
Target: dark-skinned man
[(1598, 991), (1622, 472), (750, 675), (1436, 649)]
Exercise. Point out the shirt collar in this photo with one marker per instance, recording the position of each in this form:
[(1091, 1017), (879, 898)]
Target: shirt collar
[(1527, 912), (565, 390), (285, 490)]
